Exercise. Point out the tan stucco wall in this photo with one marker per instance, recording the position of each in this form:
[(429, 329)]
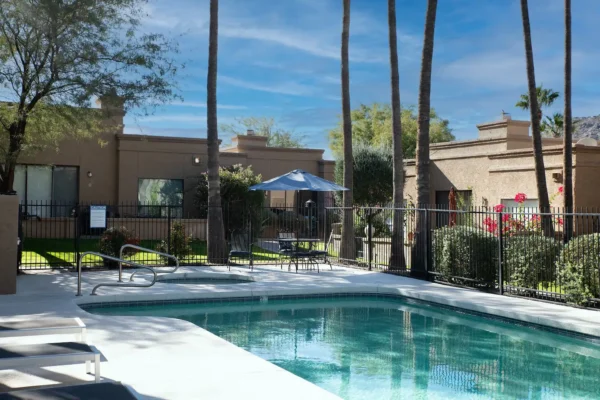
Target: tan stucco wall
[(586, 178), (491, 176), (9, 233)]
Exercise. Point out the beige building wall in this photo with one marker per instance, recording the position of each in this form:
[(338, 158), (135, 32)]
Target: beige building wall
[(500, 164), (117, 161)]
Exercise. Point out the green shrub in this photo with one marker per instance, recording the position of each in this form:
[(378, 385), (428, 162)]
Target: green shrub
[(530, 260), (179, 246), (112, 240), (465, 252), (577, 268)]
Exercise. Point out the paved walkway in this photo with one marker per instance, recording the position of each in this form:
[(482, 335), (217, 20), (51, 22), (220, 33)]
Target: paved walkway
[(162, 358)]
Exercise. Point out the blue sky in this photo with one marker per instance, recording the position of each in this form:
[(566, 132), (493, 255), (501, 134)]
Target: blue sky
[(281, 59)]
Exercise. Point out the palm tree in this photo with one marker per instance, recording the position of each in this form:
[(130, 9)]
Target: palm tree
[(216, 236), (568, 132), (540, 172), (348, 245), (418, 259), (545, 97), (397, 253), (553, 125)]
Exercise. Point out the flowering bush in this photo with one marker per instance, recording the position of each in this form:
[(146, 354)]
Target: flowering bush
[(112, 240), (518, 221), (520, 198)]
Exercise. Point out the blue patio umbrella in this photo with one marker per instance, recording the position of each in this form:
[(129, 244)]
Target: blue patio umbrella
[(298, 180)]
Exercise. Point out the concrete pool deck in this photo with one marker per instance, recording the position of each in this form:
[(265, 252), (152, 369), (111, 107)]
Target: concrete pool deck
[(163, 358)]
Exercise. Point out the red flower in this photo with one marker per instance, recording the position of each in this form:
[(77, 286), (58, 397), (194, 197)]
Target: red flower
[(506, 217), (499, 207), (560, 221), (535, 218), (561, 190), (520, 198), (490, 225)]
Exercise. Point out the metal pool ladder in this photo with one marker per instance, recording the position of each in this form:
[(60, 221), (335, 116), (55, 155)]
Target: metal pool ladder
[(146, 250), (122, 261)]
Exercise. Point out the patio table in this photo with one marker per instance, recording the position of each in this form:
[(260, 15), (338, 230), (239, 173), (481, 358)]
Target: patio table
[(298, 254)]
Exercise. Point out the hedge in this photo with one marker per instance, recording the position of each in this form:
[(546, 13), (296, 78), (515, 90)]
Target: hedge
[(465, 252), (530, 260), (577, 268)]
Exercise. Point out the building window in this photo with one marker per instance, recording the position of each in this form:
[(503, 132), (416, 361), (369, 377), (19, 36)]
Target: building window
[(48, 191), (442, 201), (529, 206), (157, 196)]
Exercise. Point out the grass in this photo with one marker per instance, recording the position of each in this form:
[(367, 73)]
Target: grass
[(43, 253)]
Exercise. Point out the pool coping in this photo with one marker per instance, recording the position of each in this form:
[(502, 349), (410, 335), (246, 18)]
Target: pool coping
[(588, 333)]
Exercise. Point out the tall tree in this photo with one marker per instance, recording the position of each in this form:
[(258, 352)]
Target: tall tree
[(568, 132), (397, 250), (545, 98), (422, 164), (348, 246), (534, 110), (55, 56), (216, 232), (372, 125)]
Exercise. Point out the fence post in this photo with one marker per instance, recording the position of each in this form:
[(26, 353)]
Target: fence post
[(76, 232), (169, 229), (369, 238), (500, 272), (428, 246)]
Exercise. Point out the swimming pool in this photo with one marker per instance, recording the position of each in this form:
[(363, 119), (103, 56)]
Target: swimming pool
[(374, 348)]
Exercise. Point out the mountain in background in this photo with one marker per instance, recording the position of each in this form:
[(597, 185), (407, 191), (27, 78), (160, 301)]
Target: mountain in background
[(586, 127)]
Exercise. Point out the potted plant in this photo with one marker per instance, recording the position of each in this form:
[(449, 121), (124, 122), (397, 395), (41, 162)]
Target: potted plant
[(111, 242)]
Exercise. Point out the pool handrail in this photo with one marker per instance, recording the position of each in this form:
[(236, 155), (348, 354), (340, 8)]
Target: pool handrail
[(146, 250), (120, 261)]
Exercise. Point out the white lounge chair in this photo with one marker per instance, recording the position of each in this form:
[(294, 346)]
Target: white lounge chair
[(44, 326), (89, 391), (49, 355)]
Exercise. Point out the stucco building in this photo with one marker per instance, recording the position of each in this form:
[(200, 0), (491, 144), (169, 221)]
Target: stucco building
[(491, 169), (117, 168)]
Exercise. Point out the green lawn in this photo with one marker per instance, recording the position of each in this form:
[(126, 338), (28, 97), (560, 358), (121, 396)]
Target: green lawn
[(43, 253)]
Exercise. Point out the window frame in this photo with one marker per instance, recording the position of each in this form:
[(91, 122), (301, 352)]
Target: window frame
[(139, 203), (52, 166)]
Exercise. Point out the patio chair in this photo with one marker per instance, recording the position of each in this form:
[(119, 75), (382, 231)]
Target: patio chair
[(240, 247), (323, 255), (286, 248)]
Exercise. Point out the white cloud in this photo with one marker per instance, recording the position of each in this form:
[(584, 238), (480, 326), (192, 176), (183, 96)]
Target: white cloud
[(289, 88), (196, 104)]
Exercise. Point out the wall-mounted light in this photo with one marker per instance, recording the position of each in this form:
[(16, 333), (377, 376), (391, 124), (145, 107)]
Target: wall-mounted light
[(196, 160), (89, 174), (557, 177)]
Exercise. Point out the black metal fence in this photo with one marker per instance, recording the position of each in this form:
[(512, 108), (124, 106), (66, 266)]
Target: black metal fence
[(55, 235), (551, 256)]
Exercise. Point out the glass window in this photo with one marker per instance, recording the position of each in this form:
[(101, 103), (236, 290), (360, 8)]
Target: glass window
[(155, 194), (48, 191), (528, 206), (39, 190), (64, 190)]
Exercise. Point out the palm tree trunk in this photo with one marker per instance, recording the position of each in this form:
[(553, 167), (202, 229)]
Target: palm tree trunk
[(217, 248), (348, 245), (534, 109), (567, 132), (397, 251), (420, 252)]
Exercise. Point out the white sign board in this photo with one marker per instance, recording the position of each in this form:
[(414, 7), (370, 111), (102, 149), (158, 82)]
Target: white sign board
[(97, 216)]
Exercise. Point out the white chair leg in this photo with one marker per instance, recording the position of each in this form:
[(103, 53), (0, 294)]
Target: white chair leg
[(88, 367), (97, 368)]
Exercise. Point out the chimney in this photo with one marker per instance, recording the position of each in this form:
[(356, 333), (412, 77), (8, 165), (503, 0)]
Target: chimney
[(250, 132), (112, 103), (505, 128)]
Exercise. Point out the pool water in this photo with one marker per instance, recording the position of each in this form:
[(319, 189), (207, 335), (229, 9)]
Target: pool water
[(369, 348)]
